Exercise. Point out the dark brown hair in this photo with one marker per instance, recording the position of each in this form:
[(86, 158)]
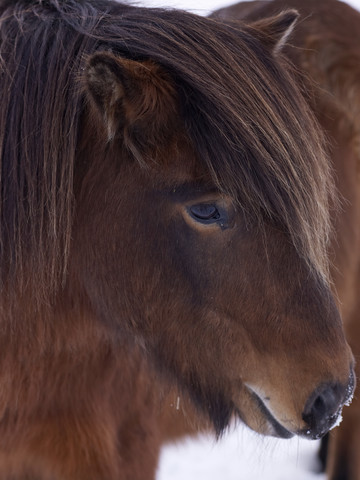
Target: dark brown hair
[(241, 108)]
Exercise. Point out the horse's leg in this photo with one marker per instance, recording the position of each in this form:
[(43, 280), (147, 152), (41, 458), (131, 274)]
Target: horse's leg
[(323, 452), (343, 457)]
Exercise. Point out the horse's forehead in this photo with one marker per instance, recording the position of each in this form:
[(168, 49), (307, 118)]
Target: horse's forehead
[(178, 163)]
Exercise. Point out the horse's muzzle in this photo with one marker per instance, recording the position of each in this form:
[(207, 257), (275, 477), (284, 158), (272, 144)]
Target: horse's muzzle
[(323, 409)]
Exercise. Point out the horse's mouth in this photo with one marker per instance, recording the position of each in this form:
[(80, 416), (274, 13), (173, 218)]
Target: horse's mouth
[(313, 425), (275, 429), (332, 421)]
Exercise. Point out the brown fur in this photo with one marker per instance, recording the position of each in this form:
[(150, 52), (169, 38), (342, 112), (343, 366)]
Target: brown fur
[(116, 122), (325, 45)]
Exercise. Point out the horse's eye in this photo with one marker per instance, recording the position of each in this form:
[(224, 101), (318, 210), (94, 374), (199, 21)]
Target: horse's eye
[(205, 212)]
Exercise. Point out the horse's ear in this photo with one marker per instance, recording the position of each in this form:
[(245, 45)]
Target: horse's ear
[(276, 30), (136, 100)]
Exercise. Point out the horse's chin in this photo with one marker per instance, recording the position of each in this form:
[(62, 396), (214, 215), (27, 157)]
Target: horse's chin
[(266, 423)]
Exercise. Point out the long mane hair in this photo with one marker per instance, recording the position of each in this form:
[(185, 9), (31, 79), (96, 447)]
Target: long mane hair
[(242, 111)]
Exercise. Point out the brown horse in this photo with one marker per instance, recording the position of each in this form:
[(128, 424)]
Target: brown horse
[(325, 45), (165, 204)]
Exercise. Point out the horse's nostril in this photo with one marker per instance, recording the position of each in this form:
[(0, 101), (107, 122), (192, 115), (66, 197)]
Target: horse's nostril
[(323, 408)]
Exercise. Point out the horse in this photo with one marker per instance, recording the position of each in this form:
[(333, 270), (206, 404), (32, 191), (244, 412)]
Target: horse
[(325, 47), (165, 207)]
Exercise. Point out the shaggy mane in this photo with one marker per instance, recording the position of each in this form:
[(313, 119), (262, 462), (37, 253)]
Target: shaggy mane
[(242, 110)]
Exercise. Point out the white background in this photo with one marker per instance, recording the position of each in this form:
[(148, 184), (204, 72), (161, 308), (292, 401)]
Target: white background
[(203, 7), (241, 454)]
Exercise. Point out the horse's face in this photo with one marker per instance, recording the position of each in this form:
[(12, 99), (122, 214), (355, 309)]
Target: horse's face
[(227, 309)]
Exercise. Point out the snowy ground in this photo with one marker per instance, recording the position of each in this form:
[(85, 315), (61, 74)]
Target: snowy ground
[(240, 455)]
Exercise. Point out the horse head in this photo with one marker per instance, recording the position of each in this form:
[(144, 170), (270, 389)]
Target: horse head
[(221, 293)]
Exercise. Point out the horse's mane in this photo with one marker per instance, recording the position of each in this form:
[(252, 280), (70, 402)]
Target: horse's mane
[(260, 144)]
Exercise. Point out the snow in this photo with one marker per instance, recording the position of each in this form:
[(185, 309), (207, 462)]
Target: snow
[(241, 454), (204, 7)]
